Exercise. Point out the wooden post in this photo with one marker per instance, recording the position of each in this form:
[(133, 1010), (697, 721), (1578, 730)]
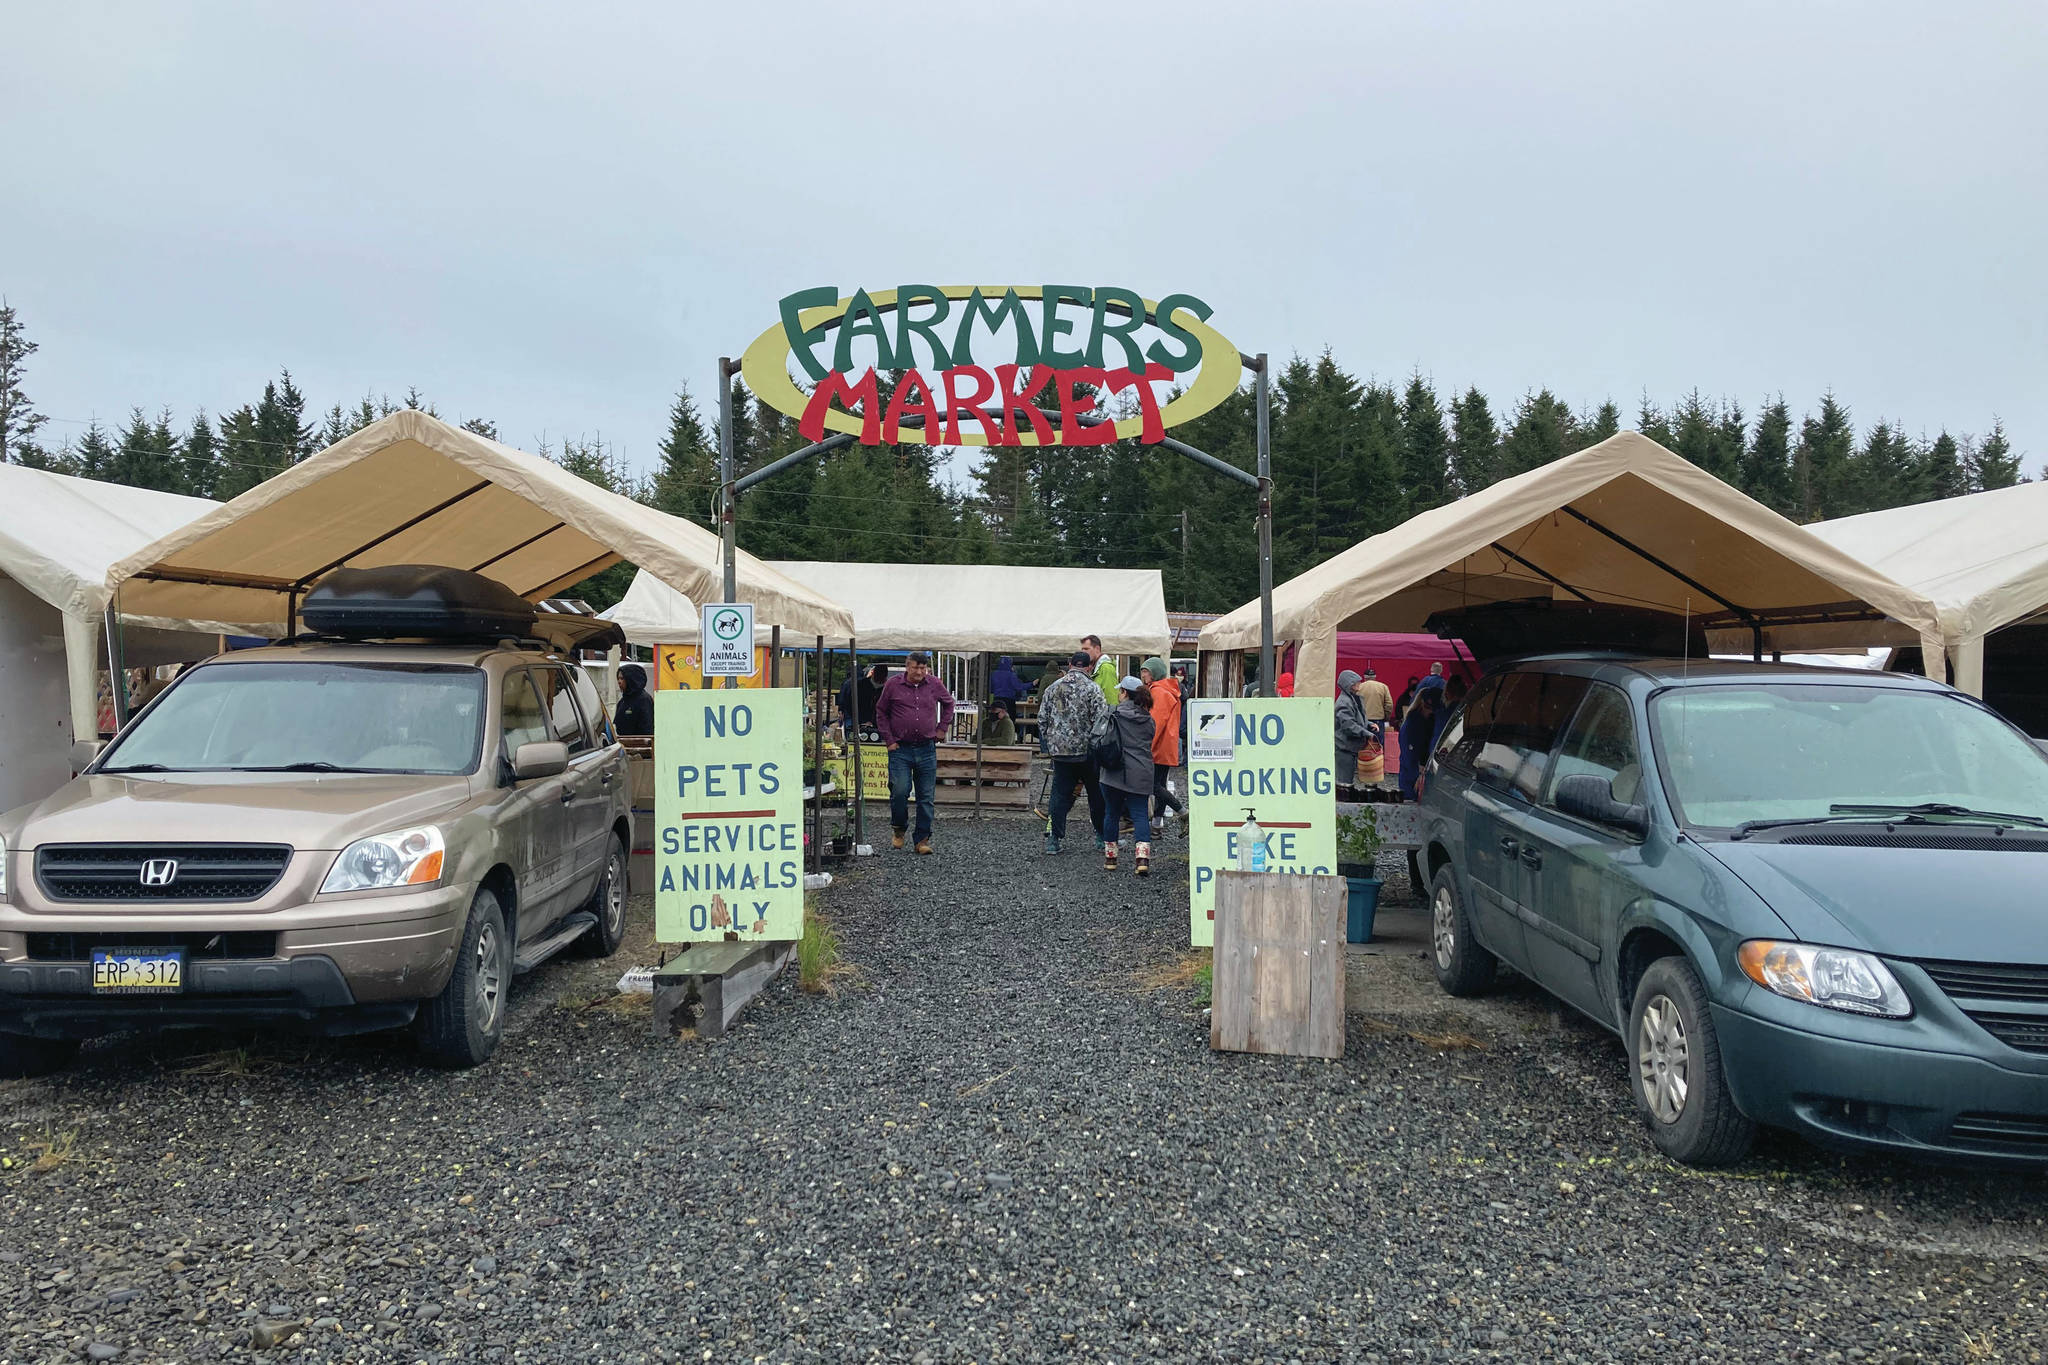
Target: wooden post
[(1278, 984)]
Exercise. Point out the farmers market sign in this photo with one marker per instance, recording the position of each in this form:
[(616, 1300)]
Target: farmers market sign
[(1034, 365)]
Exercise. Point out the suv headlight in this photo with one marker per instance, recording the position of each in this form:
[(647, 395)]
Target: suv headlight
[(406, 857), (1838, 978)]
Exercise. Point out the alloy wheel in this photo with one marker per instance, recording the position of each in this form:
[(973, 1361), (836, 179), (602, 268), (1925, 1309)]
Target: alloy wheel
[(614, 896), (490, 978), (1661, 1059), (1444, 928)]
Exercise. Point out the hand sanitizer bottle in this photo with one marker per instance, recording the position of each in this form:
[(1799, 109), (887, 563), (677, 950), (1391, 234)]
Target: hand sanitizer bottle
[(1251, 844)]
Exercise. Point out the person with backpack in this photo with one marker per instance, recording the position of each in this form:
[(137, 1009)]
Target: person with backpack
[(1165, 690), (1068, 708), (1122, 745)]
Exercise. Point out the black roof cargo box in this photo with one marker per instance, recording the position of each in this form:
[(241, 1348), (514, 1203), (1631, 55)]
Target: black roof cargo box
[(1496, 631), (416, 601)]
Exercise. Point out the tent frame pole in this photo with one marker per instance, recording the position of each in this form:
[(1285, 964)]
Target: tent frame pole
[(117, 673), (728, 544), (860, 797), (1267, 677)]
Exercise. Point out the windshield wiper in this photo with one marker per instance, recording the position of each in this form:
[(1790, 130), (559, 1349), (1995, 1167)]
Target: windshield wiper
[(1944, 809), (1904, 817), (311, 765), (138, 768)]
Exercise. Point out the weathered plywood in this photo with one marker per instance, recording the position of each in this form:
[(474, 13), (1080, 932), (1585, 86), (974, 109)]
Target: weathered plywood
[(1279, 967), (708, 985)]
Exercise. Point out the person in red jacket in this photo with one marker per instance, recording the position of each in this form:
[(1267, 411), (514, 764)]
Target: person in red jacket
[(1165, 690)]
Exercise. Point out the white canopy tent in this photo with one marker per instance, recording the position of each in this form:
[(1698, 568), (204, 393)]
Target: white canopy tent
[(413, 490), (1625, 521), (58, 537), (1982, 559), (965, 608)]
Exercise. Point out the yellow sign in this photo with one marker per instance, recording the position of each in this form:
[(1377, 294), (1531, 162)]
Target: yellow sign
[(1274, 759), (729, 815), (682, 666), (1068, 344)]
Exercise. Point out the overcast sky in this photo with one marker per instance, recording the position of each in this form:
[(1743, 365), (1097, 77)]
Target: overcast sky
[(551, 215)]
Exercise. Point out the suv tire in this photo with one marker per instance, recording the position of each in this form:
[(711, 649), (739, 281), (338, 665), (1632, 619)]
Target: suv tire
[(22, 1056), (460, 1027), (608, 903), (1462, 966), (1674, 1067)]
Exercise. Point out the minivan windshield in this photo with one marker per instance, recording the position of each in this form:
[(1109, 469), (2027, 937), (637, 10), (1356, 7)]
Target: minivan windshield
[(310, 717), (1733, 754)]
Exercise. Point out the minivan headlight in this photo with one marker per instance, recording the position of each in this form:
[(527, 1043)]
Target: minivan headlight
[(1838, 978), (406, 857)]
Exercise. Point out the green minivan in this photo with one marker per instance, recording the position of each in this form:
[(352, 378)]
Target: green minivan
[(1815, 899)]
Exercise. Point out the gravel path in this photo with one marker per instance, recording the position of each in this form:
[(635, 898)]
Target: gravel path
[(996, 1146)]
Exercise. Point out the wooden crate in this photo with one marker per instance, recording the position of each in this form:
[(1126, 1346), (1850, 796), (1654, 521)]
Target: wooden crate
[(1278, 984)]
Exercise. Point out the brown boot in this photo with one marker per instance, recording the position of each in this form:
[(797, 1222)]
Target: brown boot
[(1144, 868), (1109, 857)]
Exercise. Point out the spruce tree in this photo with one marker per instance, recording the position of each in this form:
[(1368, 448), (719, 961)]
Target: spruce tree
[(1692, 433), (1997, 465), (1542, 432), (243, 460), (1475, 443), (1881, 472), (1822, 469), (1425, 450), (1766, 472), (1597, 428), (95, 456), (199, 455), (19, 420), (1377, 466), (482, 426), (686, 478), (1940, 473), (1650, 421), (147, 456)]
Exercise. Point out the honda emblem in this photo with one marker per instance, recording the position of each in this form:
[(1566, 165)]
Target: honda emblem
[(160, 872)]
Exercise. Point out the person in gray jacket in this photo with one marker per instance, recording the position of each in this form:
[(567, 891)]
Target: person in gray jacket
[(1353, 729), (1127, 784)]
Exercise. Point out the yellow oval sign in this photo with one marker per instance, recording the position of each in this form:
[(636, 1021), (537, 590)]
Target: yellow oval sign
[(999, 404)]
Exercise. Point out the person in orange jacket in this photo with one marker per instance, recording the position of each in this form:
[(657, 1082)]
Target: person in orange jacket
[(1165, 689)]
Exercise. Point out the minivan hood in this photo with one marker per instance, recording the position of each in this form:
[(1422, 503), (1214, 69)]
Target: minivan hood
[(313, 811), (1960, 904)]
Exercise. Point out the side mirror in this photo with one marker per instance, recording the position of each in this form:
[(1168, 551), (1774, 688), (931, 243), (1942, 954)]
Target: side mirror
[(1591, 797), (543, 758)]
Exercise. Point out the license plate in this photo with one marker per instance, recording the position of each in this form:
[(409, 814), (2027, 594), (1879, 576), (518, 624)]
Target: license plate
[(138, 971)]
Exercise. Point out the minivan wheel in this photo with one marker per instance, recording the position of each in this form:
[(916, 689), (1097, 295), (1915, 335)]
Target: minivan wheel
[(1674, 1063), (461, 1026), (1462, 966), (608, 903), (22, 1056)]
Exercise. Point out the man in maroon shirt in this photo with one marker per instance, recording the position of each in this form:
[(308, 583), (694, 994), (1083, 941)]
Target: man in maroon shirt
[(913, 711)]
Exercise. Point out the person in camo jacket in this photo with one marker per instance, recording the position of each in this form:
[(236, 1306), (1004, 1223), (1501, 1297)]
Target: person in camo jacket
[(1067, 711)]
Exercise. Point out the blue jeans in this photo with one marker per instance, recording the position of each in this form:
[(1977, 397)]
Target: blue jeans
[(1115, 803), (1067, 773), (918, 762)]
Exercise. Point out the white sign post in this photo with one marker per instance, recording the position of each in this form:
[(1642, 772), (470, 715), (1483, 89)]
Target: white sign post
[(728, 639)]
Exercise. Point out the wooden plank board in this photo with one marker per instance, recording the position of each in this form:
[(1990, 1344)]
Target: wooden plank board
[(709, 985), (1278, 983)]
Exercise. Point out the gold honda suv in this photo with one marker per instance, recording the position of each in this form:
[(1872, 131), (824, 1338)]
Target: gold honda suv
[(334, 835)]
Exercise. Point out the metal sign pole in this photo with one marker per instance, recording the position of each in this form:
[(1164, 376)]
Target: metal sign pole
[(1267, 677), (727, 531)]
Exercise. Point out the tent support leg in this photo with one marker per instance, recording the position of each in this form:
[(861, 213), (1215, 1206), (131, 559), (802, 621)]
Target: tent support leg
[(860, 799), (117, 676), (818, 763), (1756, 638)]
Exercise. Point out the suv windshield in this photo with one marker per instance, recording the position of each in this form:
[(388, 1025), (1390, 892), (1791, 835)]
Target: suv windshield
[(1736, 754), (310, 717)]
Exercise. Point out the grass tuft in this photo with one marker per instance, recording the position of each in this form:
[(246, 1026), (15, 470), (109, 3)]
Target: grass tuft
[(818, 964)]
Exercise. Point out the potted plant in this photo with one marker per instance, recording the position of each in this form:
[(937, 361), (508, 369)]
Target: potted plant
[(1358, 851)]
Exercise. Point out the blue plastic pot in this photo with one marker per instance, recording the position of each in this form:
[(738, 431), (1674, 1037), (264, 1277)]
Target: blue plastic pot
[(1360, 907)]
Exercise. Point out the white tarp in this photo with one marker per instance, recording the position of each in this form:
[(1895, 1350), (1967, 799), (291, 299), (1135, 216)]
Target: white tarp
[(961, 607), (59, 535), (1982, 559), (1625, 521), (411, 489)]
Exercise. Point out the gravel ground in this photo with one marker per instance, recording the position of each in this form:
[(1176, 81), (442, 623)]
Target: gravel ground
[(998, 1144)]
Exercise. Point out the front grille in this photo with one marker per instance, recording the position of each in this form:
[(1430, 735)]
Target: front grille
[(1975, 841), (200, 872), (1990, 980), (2028, 1131), (199, 946), (2027, 1032)]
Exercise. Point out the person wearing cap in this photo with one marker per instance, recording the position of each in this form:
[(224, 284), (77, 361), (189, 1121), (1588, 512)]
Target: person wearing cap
[(1127, 785), (1165, 690), (913, 711), (1377, 697), (634, 714), (1105, 669), (1068, 708)]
